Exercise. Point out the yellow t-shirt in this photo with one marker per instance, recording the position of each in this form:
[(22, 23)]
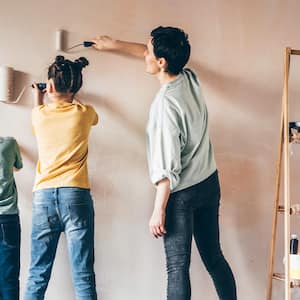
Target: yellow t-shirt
[(62, 130)]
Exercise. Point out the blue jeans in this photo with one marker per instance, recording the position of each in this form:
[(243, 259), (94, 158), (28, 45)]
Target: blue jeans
[(57, 210), (9, 257), (194, 212)]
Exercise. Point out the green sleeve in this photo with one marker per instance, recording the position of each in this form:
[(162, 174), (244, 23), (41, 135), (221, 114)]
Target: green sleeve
[(18, 159)]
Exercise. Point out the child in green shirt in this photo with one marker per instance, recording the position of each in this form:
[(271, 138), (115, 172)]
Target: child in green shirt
[(10, 160)]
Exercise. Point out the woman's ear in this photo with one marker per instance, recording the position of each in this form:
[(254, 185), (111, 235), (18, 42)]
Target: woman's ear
[(162, 63)]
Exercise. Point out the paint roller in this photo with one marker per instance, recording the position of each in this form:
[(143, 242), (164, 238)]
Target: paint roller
[(60, 42), (7, 86)]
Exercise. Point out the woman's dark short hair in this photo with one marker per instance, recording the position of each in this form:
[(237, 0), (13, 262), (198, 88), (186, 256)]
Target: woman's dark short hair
[(66, 74), (173, 45)]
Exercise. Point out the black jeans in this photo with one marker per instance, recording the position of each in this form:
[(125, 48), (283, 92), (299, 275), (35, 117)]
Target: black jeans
[(9, 257), (195, 212)]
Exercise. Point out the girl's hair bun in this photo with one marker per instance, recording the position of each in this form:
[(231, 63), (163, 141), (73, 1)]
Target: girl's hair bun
[(59, 59), (82, 62)]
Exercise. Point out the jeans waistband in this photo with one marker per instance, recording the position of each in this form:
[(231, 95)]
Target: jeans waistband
[(210, 182), (62, 188), (9, 218)]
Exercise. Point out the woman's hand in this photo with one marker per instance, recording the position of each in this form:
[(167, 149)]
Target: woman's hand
[(38, 95), (157, 223), (104, 42)]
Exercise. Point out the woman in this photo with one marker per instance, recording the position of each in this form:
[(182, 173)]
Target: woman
[(181, 162), (62, 200)]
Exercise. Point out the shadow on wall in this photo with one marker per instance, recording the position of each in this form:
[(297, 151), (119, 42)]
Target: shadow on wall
[(115, 111), (251, 98)]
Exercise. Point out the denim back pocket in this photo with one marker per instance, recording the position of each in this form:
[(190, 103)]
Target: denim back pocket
[(11, 234), (40, 216), (80, 214)]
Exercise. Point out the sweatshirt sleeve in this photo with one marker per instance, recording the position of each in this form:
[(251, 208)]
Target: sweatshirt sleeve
[(165, 146)]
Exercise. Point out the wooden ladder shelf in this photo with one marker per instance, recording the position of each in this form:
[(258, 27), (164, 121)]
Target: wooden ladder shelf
[(286, 209)]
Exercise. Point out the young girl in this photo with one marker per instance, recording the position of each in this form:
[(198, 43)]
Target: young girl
[(10, 159), (181, 162), (61, 200)]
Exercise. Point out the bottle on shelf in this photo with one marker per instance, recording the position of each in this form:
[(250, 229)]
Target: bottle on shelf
[(294, 244)]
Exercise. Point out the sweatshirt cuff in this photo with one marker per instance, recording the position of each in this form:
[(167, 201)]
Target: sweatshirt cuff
[(159, 175)]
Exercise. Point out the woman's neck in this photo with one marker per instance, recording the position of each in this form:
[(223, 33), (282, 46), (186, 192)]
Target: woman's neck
[(165, 77)]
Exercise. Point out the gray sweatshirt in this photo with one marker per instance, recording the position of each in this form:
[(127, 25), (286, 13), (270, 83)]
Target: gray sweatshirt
[(178, 143)]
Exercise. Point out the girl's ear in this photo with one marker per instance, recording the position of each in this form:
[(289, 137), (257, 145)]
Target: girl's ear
[(50, 86)]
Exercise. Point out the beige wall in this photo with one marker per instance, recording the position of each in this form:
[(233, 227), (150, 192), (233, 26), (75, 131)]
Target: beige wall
[(237, 51)]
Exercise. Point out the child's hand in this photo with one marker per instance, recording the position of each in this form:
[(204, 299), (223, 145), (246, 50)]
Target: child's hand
[(38, 95), (104, 42)]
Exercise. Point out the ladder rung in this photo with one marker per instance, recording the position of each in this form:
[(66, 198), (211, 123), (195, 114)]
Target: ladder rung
[(295, 52), (292, 211), (281, 208), (295, 283)]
